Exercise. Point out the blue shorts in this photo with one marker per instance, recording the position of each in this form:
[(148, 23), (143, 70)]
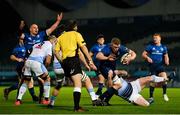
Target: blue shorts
[(105, 70), (155, 69)]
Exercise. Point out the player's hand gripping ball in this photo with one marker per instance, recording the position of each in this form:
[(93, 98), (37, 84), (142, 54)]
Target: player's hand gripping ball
[(125, 58)]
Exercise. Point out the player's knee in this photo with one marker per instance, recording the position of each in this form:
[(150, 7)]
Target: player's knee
[(45, 77), (59, 85), (110, 73)]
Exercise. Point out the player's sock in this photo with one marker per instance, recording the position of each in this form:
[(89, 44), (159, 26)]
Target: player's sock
[(31, 91), (108, 94), (151, 90), (100, 87), (77, 96), (41, 90), (22, 90), (92, 94), (46, 89), (13, 87), (164, 86), (157, 79), (52, 100)]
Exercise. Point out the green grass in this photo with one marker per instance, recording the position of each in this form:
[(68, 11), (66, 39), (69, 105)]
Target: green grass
[(64, 104)]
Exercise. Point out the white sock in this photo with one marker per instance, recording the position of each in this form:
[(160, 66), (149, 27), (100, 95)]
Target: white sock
[(22, 90), (92, 94), (157, 79), (46, 89)]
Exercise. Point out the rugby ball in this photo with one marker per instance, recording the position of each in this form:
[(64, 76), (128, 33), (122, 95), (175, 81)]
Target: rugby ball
[(124, 57)]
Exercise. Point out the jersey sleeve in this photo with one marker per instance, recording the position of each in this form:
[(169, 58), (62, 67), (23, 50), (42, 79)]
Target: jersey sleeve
[(148, 48), (80, 40), (165, 51), (43, 35), (106, 51), (92, 49), (14, 51), (123, 49)]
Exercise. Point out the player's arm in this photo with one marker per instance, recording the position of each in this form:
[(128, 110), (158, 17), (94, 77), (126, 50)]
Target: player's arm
[(86, 53), (20, 30), (14, 58), (91, 54), (57, 50), (48, 60), (83, 60), (55, 25), (146, 57), (133, 55), (166, 59), (101, 56), (21, 27)]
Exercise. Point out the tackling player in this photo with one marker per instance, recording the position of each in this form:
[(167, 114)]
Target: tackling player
[(35, 63)]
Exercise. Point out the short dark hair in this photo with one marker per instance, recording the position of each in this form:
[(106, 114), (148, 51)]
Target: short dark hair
[(69, 26), (99, 36)]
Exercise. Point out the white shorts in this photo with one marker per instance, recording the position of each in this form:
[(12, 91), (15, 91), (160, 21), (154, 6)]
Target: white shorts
[(136, 89), (34, 66)]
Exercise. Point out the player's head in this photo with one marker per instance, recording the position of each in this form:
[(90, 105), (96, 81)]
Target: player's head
[(52, 39), (34, 29), (115, 44), (156, 38), (71, 25), (100, 39)]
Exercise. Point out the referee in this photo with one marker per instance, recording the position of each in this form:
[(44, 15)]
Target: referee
[(69, 43)]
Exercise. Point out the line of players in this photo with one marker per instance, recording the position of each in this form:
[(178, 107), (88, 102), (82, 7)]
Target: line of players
[(105, 58)]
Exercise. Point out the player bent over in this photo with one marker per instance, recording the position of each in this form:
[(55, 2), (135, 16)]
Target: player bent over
[(129, 91)]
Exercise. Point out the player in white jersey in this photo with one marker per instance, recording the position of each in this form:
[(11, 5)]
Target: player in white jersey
[(41, 53), (129, 91)]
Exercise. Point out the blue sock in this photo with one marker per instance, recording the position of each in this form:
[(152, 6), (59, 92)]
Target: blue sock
[(100, 87), (53, 98), (13, 87), (31, 91)]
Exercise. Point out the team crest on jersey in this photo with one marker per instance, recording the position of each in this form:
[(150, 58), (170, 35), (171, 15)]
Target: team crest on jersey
[(38, 36), (29, 38), (162, 49), (23, 50), (153, 48)]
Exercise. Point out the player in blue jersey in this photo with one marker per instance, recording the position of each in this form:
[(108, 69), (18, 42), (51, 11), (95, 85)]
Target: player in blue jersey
[(18, 55), (156, 55), (129, 91), (37, 62), (108, 57), (34, 36), (93, 51)]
